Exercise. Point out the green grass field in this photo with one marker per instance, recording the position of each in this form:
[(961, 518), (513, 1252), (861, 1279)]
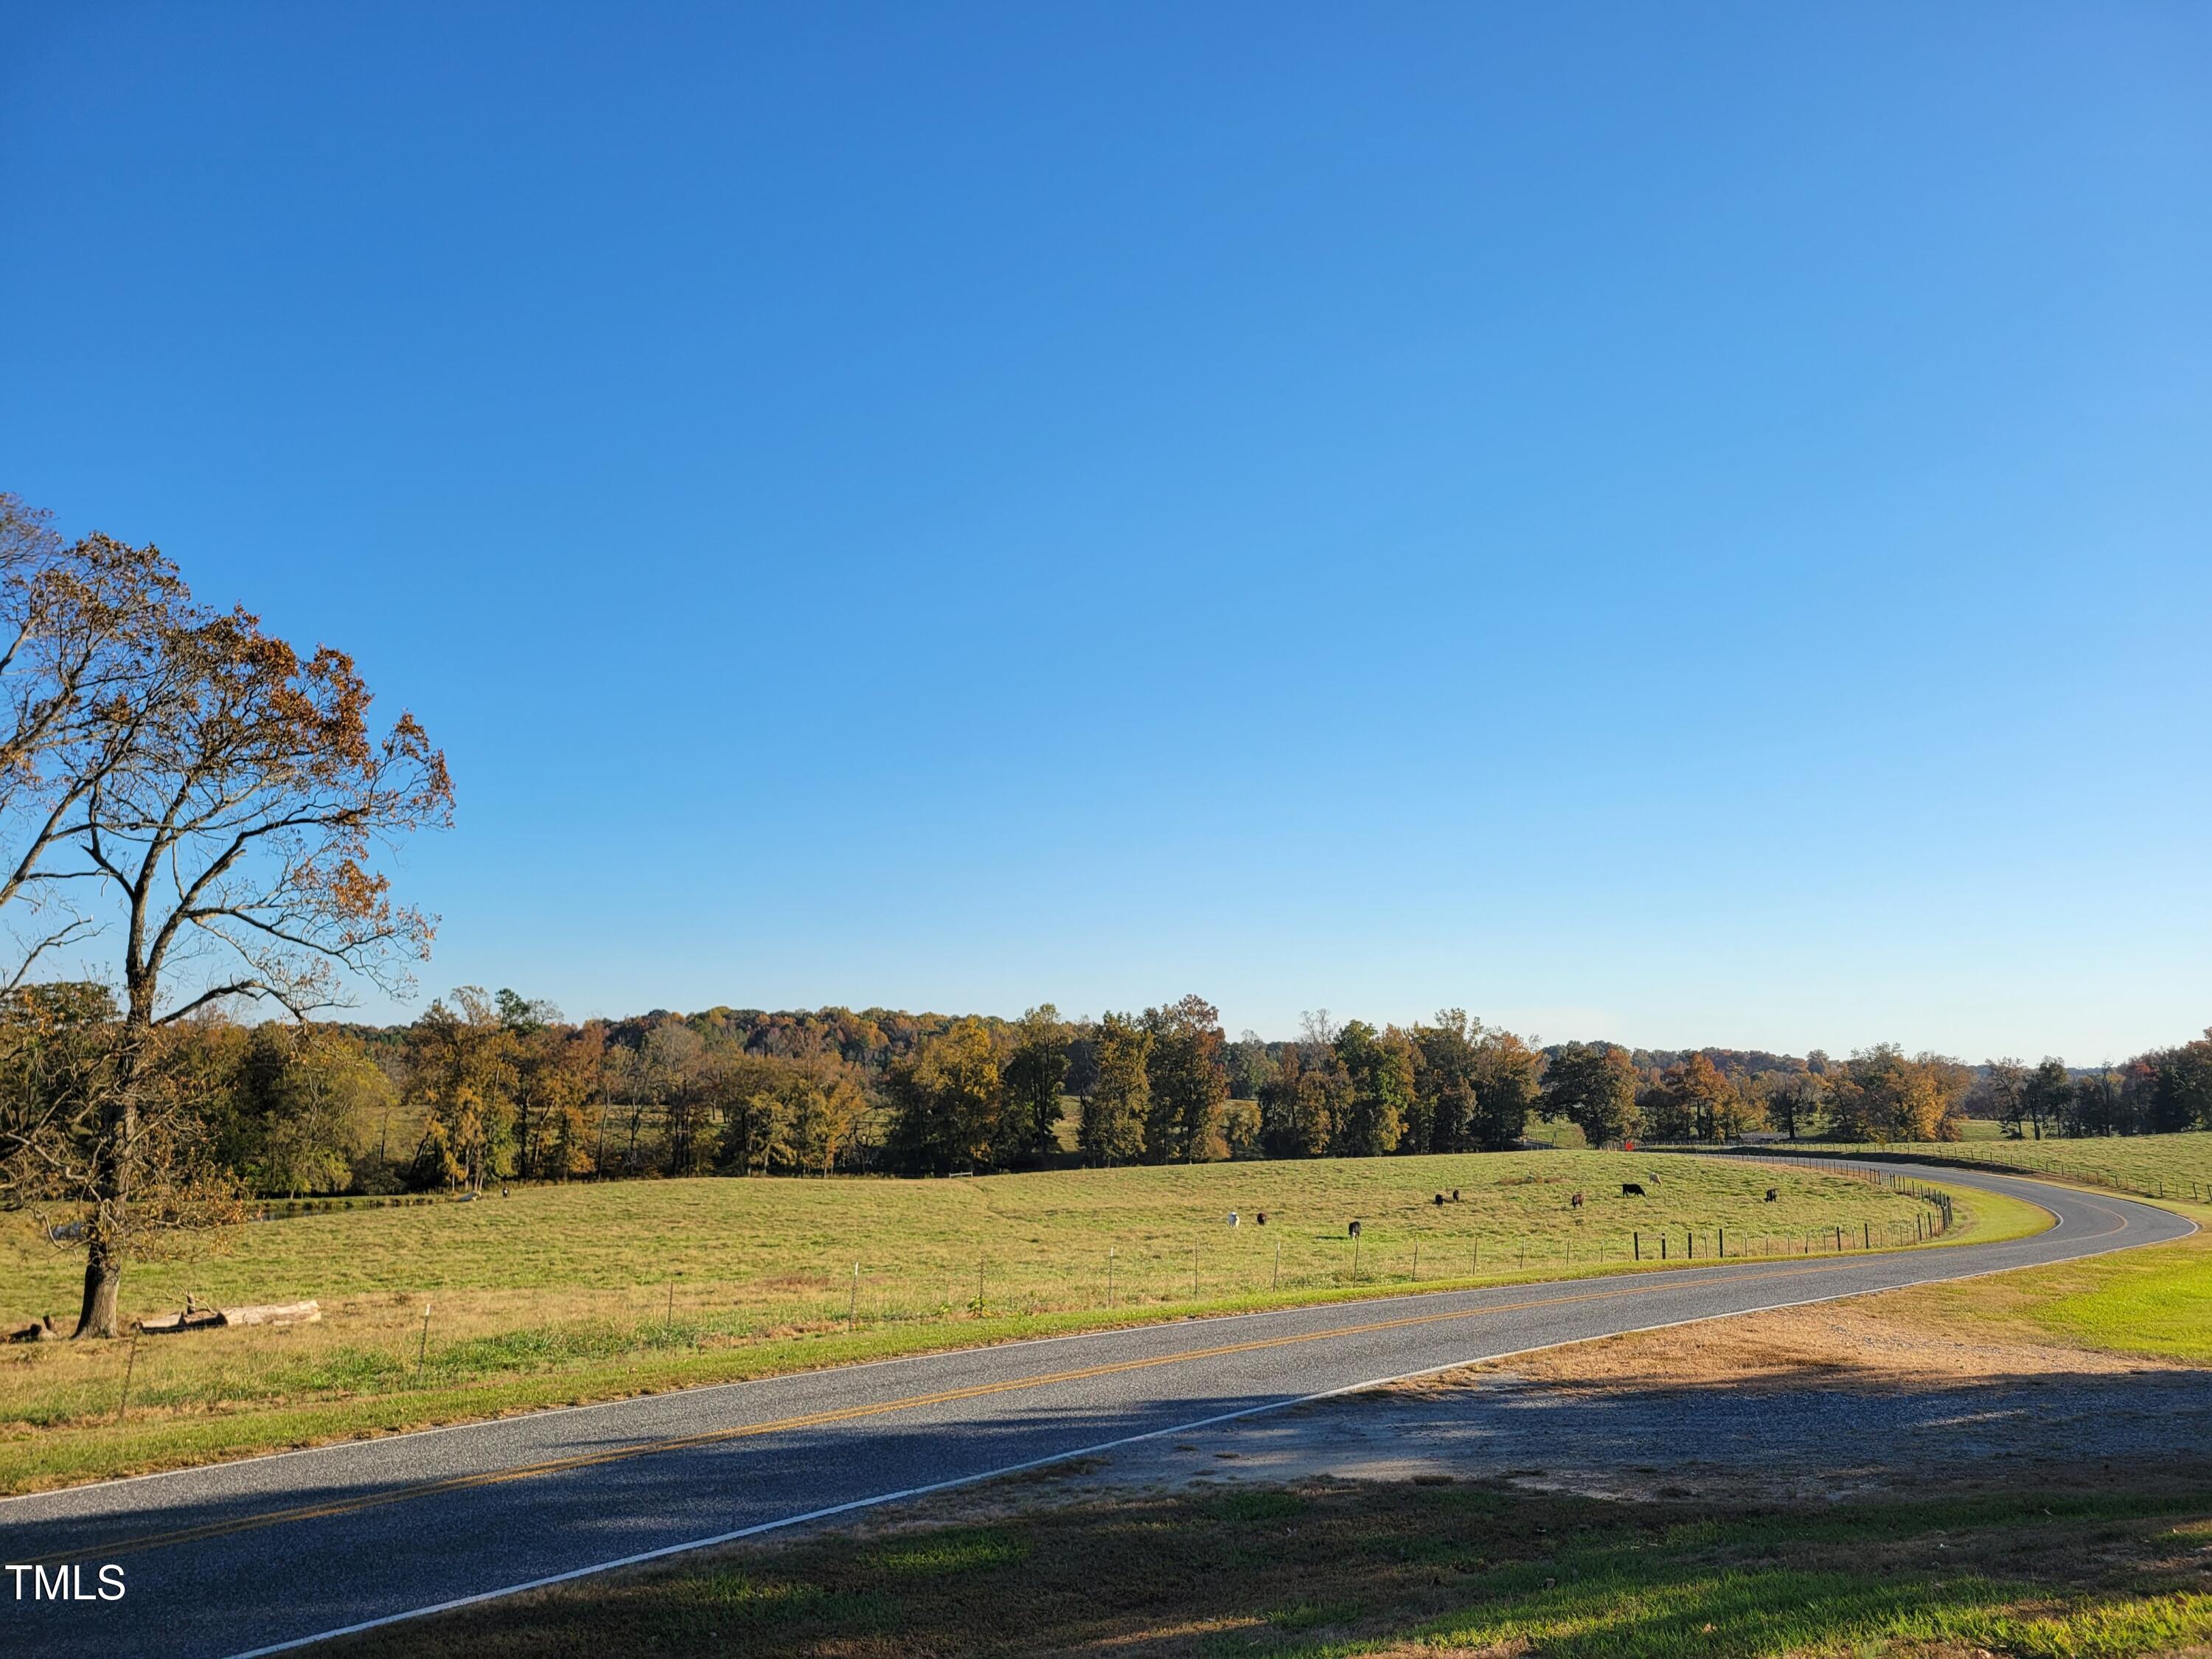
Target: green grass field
[(2177, 1166), (560, 1294)]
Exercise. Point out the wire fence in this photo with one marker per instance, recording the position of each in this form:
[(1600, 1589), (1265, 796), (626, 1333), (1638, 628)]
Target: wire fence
[(2054, 1159)]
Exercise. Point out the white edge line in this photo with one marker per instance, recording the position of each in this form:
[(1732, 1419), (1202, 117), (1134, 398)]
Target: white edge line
[(881, 1498), (335, 1447)]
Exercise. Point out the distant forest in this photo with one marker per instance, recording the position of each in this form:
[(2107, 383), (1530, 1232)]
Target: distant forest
[(489, 1087)]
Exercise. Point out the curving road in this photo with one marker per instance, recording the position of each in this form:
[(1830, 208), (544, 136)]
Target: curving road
[(276, 1551)]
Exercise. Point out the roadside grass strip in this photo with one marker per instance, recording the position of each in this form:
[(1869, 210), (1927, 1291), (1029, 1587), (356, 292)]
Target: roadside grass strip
[(1335, 1570)]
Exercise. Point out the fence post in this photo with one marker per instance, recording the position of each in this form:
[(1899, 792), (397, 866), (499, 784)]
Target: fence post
[(1109, 1272), (1636, 1243), (129, 1363), (423, 1349), (852, 1304), (1722, 1234), (1276, 1283)]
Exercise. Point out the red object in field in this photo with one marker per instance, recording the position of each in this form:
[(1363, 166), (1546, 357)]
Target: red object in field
[(1628, 1145)]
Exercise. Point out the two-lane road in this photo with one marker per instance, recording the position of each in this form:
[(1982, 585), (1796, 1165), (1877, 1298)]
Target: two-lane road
[(247, 1556)]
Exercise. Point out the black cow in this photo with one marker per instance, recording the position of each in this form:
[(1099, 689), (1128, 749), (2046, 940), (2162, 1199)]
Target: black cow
[(1631, 1190)]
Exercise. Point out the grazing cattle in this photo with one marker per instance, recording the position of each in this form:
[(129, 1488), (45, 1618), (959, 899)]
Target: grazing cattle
[(1772, 1196), (1454, 1194), (1262, 1218), (1575, 1202), (1631, 1190), (1355, 1230), (1437, 1200), (38, 1330)]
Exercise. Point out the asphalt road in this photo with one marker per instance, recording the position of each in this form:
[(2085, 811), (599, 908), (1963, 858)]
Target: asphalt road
[(252, 1556)]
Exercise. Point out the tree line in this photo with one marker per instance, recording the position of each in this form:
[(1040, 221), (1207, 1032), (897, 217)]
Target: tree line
[(484, 1088), (2159, 1092)]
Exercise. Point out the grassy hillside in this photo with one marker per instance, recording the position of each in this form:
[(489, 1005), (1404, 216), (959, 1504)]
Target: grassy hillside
[(565, 1293), (2177, 1166)]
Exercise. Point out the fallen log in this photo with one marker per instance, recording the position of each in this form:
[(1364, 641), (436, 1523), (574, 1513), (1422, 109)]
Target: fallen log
[(208, 1319), (274, 1313), (195, 1319)]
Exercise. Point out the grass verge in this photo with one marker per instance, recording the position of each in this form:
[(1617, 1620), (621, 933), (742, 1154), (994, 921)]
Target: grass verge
[(1331, 1570), (2157, 1302)]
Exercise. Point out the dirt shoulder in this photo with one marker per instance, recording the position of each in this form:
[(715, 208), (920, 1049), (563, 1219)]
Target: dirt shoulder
[(1873, 1342)]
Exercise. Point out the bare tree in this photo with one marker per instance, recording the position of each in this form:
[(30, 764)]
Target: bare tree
[(2004, 1089)]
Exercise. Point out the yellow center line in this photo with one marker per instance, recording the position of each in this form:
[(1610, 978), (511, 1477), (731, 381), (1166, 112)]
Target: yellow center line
[(849, 1413)]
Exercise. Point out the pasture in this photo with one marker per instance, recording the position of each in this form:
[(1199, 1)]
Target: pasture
[(442, 1312), (2175, 1166)]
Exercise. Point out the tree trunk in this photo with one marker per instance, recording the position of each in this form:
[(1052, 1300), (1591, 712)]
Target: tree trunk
[(105, 1235), (103, 1278)]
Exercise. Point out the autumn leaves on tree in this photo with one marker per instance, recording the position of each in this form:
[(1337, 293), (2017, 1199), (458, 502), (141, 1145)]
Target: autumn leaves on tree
[(207, 802)]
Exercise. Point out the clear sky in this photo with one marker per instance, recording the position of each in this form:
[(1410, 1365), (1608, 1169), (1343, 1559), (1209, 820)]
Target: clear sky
[(1686, 524)]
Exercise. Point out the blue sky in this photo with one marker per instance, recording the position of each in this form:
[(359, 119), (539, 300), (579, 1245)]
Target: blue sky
[(1684, 524)]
